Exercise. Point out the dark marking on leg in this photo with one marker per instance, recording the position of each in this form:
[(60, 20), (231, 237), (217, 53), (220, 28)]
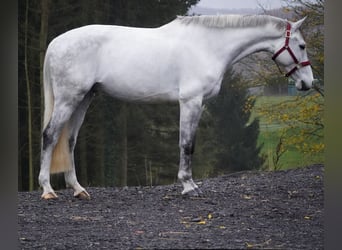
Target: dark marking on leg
[(188, 149), (47, 138)]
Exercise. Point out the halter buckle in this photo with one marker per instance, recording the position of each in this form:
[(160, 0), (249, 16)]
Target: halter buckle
[(288, 33)]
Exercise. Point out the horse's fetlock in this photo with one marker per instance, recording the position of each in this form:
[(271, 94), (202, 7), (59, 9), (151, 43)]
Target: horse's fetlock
[(184, 176)]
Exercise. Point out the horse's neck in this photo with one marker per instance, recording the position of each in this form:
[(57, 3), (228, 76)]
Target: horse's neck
[(259, 40), (235, 44)]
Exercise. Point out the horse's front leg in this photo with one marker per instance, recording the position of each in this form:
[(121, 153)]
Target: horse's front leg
[(190, 113)]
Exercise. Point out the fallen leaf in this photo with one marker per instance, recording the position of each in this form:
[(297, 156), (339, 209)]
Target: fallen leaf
[(249, 245), (247, 197), (202, 222), (79, 218)]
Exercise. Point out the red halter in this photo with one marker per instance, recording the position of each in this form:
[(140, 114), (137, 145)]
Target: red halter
[(287, 47)]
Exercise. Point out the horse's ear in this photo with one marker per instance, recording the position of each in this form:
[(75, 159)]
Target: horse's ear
[(296, 25)]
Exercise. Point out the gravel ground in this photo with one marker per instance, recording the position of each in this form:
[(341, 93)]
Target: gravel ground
[(247, 210)]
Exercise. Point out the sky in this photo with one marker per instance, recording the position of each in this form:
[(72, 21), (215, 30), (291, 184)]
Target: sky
[(240, 4)]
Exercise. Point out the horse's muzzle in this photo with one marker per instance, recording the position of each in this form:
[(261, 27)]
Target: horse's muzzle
[(303, 86)]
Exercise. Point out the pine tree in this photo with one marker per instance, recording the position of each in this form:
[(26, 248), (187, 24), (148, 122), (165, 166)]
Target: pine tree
[(236, 139)]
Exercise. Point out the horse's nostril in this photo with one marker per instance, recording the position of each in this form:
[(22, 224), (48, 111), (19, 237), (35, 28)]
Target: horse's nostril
[(304, 87)]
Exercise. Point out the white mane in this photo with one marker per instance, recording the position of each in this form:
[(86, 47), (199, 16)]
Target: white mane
[(233, 21)]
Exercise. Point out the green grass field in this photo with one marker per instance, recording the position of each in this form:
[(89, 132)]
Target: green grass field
[(269, 137)]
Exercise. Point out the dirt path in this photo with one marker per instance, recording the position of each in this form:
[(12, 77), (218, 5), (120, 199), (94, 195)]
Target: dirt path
[(272, 210)]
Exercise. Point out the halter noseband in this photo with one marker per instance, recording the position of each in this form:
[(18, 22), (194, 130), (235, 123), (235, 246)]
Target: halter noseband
[(287, 47)]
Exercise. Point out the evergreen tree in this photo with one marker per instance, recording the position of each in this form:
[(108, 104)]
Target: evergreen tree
[(236, 147)]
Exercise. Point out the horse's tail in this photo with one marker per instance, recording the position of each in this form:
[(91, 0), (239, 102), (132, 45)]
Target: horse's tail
[(61, 155)]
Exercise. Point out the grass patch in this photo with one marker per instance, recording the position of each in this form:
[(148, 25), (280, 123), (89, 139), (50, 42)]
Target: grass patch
[(270, 134)]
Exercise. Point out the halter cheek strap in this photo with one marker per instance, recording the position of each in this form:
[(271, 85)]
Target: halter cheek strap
[(287, 47)]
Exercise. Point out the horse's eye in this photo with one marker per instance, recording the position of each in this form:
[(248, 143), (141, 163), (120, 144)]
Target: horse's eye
[(302, 46)]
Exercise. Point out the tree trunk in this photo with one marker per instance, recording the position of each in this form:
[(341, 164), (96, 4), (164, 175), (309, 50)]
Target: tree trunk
[(83, 162), (101, 148), (124, 160), (29, 105), (42, 46), (44, 8)]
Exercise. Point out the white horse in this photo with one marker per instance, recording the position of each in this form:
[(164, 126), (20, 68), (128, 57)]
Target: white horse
[(181, 61)]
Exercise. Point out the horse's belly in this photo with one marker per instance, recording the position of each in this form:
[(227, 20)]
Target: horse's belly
[(139, 92)]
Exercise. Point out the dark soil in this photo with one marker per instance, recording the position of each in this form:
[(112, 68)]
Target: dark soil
[(267, 210)]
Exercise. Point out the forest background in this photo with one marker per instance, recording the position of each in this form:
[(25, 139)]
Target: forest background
[(258, 121)]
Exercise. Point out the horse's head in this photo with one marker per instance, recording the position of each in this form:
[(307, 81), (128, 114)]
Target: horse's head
[(291, 53)]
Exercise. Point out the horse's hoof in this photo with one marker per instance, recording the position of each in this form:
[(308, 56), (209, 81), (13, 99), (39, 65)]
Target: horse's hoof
[(83, 195), (193, 193), (50, 195)]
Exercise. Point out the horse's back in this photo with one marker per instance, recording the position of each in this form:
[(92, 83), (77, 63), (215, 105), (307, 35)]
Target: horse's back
[(131, 63)]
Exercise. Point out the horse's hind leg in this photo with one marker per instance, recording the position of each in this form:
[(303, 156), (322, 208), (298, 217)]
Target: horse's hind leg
[(190, 113), (60, 116), (75, 124), (55, 154)]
